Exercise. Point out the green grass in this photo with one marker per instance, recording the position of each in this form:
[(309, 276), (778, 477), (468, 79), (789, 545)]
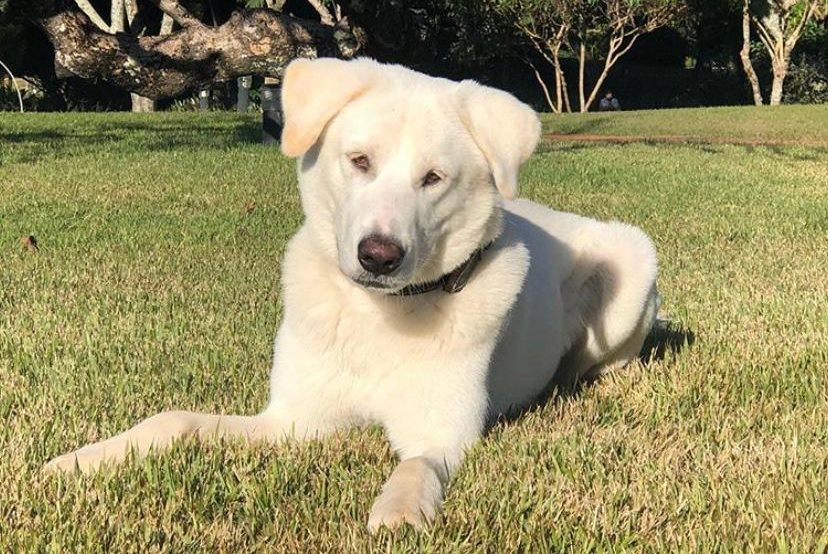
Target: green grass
[(156, 286), (805, 123)]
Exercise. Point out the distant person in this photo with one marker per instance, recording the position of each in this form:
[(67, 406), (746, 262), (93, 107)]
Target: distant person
[(609, 103)]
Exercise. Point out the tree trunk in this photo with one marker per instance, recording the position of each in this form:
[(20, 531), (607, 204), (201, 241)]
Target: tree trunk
[(615, 51), (581, 77), (608, 63), (744, 55), (558, 91), (116, 17), (780, 71), (142, 104), (565, 89), (117, 20), (560, 82), (257, 42)]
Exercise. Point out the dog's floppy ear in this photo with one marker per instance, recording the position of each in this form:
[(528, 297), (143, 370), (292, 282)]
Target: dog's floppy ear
[(505, 129), (313, 91)]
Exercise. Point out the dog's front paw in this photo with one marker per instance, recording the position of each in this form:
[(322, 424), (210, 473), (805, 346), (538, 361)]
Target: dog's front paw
[(392, 509), (86, 460), (412, 495)]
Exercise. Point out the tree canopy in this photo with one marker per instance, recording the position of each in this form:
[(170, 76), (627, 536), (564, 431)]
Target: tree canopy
[(564, 53)]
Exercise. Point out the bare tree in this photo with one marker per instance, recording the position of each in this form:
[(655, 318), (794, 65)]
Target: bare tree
[(744, 55), (546, 24), (587, 29), (619, 24), (779, 25)]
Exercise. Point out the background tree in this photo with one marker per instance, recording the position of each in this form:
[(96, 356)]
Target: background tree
[(779, 24), (258, 41), (123, 17), (591, 30), (807, 77), (546, 25), (549, 52), (616, 25), (713, 28)]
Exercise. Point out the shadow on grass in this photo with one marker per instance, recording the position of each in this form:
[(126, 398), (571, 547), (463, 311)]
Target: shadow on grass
[(666, 338), (586, 127), (795, 153), (547, 146), (152, 135), (801, 154)]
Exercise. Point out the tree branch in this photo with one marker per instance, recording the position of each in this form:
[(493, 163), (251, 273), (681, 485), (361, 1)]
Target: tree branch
[(325, 16), (809, 12), (764, 36), (131, 8), (552, 106), (93, 15), (258, 42), (116, 17), (167, 24), (179, 14), (620, 53)]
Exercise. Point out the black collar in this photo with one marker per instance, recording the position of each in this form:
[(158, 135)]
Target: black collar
[(450, 282)]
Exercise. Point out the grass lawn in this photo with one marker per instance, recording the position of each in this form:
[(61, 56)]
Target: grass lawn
[(804, 124), (156, 286)]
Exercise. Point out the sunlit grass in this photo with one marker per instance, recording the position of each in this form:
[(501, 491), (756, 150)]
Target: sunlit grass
[(156, 286), (786, 124)]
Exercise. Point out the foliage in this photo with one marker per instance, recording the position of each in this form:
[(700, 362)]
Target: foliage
[(807, 81), (460, 39), (20, 41), (471, 31)]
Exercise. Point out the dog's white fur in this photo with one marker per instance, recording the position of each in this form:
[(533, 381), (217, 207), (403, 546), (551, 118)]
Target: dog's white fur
[(432, 369)]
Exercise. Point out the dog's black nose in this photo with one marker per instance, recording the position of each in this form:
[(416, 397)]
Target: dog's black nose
[(380, 255)]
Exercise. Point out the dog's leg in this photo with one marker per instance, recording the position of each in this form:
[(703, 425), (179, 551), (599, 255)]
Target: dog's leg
[(413, 494), (159, 431), (430, 427)]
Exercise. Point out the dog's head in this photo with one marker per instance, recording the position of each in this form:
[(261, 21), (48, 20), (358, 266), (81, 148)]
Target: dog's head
[(399, 171)]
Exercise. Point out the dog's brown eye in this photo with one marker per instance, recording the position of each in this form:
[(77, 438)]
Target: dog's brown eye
[(361, 162), (431, 178)]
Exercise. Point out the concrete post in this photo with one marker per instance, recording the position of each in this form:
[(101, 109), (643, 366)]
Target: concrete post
[(272, 121), (204, 99), (243, 98)]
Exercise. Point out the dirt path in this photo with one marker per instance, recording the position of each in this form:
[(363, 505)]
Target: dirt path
[(678, 139)]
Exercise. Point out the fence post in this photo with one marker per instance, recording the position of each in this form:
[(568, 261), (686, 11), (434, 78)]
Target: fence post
[(271, 114), (243, 98), (204, 99)]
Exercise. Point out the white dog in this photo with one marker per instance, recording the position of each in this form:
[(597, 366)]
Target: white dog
[(415, 296)]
